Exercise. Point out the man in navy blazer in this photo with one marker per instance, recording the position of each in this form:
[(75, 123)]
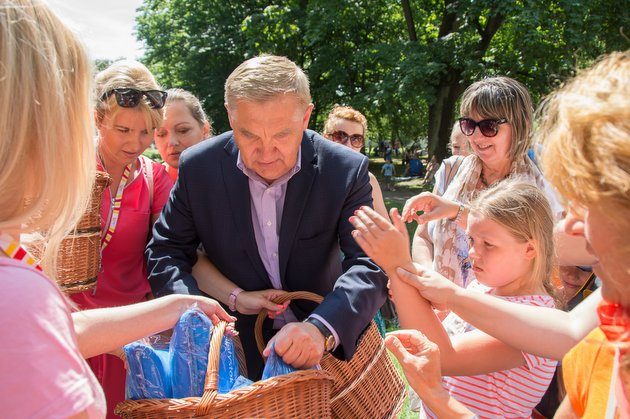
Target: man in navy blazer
[(269, 202)]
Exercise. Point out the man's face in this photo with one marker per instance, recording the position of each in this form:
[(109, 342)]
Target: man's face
[(268, 134)]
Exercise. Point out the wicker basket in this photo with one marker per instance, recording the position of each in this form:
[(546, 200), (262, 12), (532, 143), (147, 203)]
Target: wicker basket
[(79, 255), (368, 386), (299, 394)]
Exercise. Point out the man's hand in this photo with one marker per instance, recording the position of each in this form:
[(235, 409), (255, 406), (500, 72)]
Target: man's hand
[(300, 345)]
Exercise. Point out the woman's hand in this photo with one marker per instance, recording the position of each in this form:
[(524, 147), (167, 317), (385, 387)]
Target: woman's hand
[(385, 243), (431, 285), (433, 207), (211, 307), (419, 359), (252, 302)]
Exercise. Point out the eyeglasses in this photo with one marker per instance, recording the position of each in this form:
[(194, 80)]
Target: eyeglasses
[(341, 137), (488, 127), (129, 98)]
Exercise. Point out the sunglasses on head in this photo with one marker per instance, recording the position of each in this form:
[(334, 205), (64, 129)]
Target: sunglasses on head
[(341, 137), (130, 98), (488, 127)]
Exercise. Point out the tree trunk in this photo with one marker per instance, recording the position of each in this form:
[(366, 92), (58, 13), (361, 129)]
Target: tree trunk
[(442, 113)]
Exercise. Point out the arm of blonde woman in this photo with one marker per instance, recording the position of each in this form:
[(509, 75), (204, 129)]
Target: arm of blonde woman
[(571, 250), (541, 331), (565, 410), (214, 283), (104, 330), (420, 361), (377, 196)]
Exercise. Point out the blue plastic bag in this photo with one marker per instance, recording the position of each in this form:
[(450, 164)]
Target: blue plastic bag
[(241, 382), (275, 365), (148, 372), (228, 366), (189, 353)]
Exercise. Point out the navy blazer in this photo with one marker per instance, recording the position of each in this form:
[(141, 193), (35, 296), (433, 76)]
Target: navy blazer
[(210, 204)]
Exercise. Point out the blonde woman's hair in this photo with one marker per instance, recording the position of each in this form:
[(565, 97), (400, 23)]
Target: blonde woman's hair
[(265, 77), (525, 212), (347, 113), (584, 128), (456, 132), (192, 103), (126, 74), (502, 97), (46, 147)]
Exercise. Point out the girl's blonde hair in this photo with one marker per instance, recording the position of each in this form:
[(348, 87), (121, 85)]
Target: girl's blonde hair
[(192, 103), (525, 212), (502, 97), (585, 134), (46, 147), (347, 113), (126, 74)]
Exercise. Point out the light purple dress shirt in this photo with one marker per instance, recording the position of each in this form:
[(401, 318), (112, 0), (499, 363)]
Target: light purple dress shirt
[(267, 204)]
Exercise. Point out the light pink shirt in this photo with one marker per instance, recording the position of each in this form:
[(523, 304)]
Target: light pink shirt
[(267, 204), (42, 373)]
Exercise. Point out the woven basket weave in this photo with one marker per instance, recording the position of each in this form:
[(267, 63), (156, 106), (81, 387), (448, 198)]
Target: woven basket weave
[(299, 394), (368, 386), (79, 255)]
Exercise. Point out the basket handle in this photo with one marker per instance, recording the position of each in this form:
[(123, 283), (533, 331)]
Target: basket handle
[(212, 372), (297, 295)]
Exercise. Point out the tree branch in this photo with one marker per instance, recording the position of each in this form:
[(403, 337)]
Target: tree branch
[(411, 27), (449, 20)]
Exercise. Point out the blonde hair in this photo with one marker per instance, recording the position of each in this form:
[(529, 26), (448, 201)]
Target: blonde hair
[(126, 74), (262, 78), (585, 131), (525, 212), (502, 97), (192, 103), (347, 113), (46, 147), (456, 132)]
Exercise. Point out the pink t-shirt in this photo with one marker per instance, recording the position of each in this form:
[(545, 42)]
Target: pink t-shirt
[(123, 276), (42, 373)]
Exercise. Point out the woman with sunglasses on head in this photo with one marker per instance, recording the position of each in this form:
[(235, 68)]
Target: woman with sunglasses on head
[(43, 343), (185, 124), (129, 108), (496, 118), (347, 126)]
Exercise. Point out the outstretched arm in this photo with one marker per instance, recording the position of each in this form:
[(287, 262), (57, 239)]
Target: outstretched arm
[(541, 331), (103, 330)]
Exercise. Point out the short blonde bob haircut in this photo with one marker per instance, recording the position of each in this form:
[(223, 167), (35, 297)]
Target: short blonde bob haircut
[(265, 77), (524, 211), (126, 74), (584, 129), (347, 113), (502, 97), (46, 148)]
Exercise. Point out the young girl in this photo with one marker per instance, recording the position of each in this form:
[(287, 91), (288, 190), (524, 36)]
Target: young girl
[(511, 247)]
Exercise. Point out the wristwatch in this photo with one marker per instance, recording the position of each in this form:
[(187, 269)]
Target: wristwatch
[(329, 338)]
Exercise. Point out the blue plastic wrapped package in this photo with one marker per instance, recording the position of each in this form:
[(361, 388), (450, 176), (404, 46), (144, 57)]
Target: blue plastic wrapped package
[(189, 353), (241, 382), (148, 372), (228, 366), (275, 365)]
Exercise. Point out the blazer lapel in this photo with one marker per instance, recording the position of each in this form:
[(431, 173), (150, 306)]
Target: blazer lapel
[(298, 190), (237, 190)]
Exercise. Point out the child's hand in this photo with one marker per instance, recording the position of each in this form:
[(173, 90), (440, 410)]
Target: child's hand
[(434, 207), (419, 359), (432, 286), (384, 243)]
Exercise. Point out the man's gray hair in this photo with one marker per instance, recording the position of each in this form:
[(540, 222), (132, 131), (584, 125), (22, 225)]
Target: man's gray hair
[(264, 77)]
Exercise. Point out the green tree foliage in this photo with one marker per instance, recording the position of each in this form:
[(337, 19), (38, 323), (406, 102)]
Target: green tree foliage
[(404, 64)]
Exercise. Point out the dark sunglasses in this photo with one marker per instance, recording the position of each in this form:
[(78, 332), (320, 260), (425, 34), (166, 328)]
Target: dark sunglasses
[(130, 98), (341, 137), (488, 127)]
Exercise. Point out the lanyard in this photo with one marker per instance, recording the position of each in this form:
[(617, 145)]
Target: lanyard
[(115, 209), (13, 249)]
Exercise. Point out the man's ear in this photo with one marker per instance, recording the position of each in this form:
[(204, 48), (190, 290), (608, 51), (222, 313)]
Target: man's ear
[(307, 116)]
